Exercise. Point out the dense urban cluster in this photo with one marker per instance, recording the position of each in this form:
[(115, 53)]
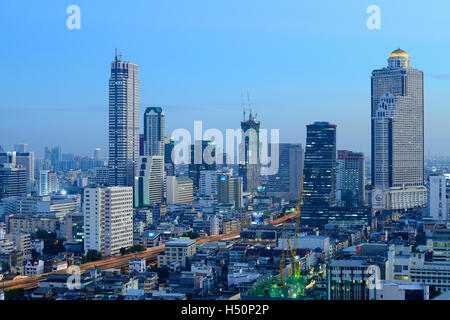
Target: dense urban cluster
[(137, 225)]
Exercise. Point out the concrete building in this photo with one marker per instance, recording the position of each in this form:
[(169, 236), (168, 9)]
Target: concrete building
[(13, 180), (48, 182), (137, 265), (441, 245), (108, 219), (286, 182), (149, 181), (177, 250), (180, 190), (21, 159), (230, 190), (437, 197), (350, 178), (402, 290), (123, 122), (154, 132), (34, 267), (208, 183)]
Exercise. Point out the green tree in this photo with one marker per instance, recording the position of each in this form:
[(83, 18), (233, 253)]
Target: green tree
[(6, 267), (191, 235), (35, 254), (15, 294)]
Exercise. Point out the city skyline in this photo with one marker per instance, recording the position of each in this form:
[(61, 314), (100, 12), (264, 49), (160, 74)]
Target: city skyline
[(189, 85)]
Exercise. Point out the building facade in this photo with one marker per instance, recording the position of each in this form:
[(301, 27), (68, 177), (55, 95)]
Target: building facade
[(286, 182), (108, 219), (397, 109), (249, 157), (154, 132), (319, 187), (350, 178), (149, 181), (123, 122)]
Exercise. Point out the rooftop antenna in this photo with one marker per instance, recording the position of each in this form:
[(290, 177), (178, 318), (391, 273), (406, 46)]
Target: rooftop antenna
[(115, 55), (243, 105), (249, 105)]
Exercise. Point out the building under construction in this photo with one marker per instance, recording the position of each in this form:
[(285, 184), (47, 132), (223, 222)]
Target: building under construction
[(268, 287)]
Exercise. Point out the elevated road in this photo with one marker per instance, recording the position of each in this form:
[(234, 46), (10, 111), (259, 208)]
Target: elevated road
[(107, 263)]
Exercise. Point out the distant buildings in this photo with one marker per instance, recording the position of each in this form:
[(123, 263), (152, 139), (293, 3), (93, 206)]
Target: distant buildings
[(108, 219), (199, 162), (437, 197), (229, 190), (21, 159), (149, 181), (319, 188), (249, 157), (48, 182), (97, 154), (350, 178), (179, 190), (154, 132), (286, 182), (398, 135), (123, 122)]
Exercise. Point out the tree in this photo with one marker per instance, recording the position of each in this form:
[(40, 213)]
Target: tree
[(133, 249), (434, 292), (191, 235), (15, 294), (35, 254), (52, 245), (6, 267)]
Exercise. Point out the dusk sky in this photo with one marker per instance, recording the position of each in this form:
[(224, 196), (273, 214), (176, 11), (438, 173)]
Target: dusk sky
[(301, 61)]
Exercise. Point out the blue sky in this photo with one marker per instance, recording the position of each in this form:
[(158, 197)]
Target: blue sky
[(301, 61)]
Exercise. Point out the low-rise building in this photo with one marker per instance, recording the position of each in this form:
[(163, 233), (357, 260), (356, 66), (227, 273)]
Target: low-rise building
[(34, 267), (177, 250)]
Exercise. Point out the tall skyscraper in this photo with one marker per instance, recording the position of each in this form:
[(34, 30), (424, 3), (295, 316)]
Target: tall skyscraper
[(286, 182), (398, 134), (153, 132), (123, 122), (319, 186), (108, 219), (250, 162), (350, 178), (149, 181)]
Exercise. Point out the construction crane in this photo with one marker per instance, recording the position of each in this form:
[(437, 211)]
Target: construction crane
[(295, 262)]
